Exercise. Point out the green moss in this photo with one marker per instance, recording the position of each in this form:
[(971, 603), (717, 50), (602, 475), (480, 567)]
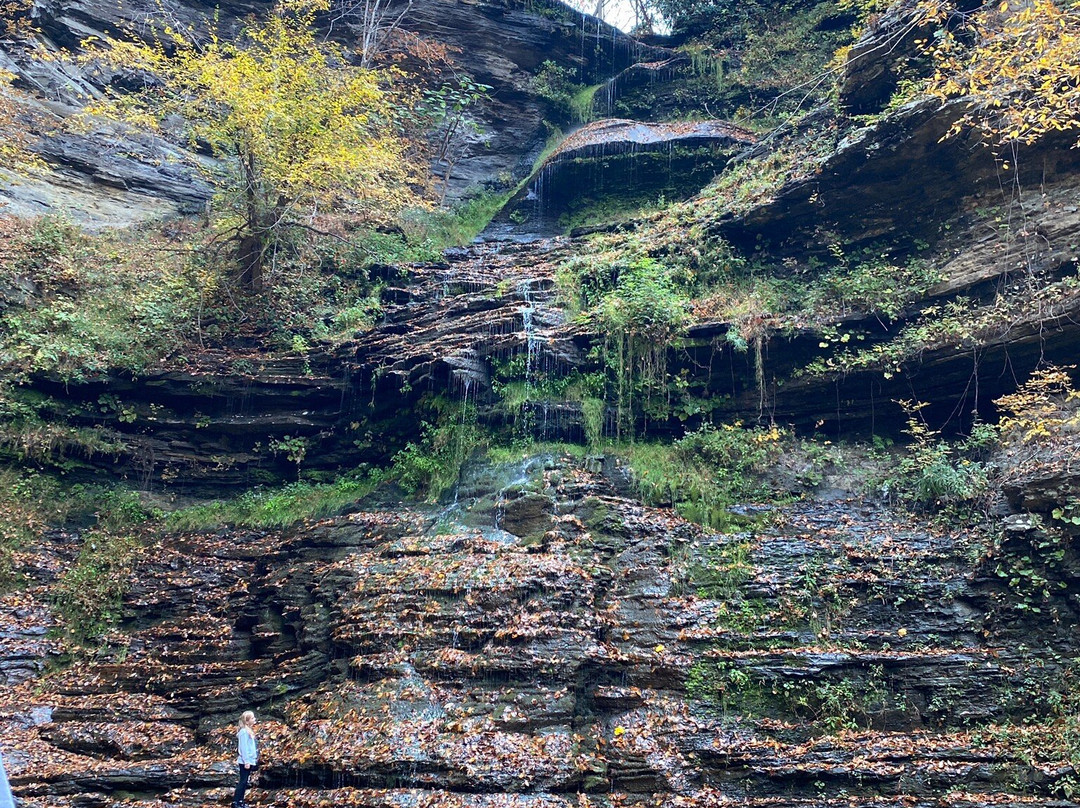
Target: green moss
[(276, 507), (516, 453), (706, 472), (581, 103), (611, 208), (724, 570)]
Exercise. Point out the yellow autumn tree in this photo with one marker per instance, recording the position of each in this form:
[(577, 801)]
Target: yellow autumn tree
[(296, 128), (20, 124), (1017, 62), (13, 134)]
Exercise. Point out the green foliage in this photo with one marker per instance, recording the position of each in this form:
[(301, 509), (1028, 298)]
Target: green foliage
[(1015, 64), (753, 181), (294, 125), (33, 431), (611, 207), (361, 316), (723, 571), (88, 596), (446, 112), (723, 685), (1034, 572), (934, 473), (833, 704), (746, 58), (518, 387), (1068, 513), (640, 307), (1050, 733), (98, 303), (785, 48), (114, 508), (113, 301), (433, 466), (837, 705), (704, 473), (518, 451), (453, 226), (280, 507), (877, 285), (592, 415), (569, 100), (294, 448), (961, 321), (25, 509), (32, 501), (581, 103)]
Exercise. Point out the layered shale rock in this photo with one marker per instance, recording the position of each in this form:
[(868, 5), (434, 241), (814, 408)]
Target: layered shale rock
[(116, 177), (226, 420), (611, 159), (624, 658)]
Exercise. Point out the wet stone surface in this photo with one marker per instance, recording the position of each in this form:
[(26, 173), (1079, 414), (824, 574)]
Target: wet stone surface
[(838, 654)]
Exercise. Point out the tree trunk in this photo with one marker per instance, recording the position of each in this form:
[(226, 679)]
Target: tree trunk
[(250, 258), (252, 244)]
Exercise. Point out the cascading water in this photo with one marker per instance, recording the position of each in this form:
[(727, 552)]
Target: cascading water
[(532, 343)]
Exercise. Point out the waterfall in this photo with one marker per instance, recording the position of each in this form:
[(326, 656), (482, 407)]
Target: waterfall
[(532, 344)]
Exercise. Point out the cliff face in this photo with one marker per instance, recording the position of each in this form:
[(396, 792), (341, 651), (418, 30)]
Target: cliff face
[(115, 177), (542, 639), (548, 642), (448, 326)]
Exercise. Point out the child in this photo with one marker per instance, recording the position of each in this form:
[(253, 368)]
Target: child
[(248, 756), (6, 800)]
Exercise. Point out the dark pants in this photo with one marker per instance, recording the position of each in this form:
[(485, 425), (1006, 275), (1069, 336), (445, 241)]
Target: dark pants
[(241, 787)]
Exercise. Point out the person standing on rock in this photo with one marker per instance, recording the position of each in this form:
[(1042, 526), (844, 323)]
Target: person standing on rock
[(6, 800), (247, 758)]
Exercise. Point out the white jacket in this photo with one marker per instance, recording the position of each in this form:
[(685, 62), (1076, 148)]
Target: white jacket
[(6, 800), (249, 750)]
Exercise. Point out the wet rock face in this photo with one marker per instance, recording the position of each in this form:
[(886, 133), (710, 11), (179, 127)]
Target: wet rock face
[(220, 422), (433, 658), (898, 177), (118, 179), (504, 43), (611, 160)]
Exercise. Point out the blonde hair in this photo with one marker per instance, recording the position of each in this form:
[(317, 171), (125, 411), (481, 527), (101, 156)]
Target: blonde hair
[(246, 719)]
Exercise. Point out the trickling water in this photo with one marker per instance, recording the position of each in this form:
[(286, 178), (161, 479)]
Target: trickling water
[(445, 278), (466, 385), (583, 20), (413, 700), (532, 343)]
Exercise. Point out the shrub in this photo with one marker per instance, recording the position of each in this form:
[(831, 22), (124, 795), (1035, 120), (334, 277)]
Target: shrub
[(934, 473), (433, 465), (88, 597), (704, 473)]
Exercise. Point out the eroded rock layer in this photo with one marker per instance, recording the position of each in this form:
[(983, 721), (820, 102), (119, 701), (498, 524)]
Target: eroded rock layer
[(603, 653), (116, 177)]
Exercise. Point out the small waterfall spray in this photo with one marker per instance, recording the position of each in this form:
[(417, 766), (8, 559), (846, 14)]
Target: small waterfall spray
[(532, 343)]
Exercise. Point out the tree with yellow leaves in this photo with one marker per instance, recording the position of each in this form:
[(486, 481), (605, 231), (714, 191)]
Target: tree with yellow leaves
[(13, 133), (1018, 63), (296, 128), (18, 119)]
